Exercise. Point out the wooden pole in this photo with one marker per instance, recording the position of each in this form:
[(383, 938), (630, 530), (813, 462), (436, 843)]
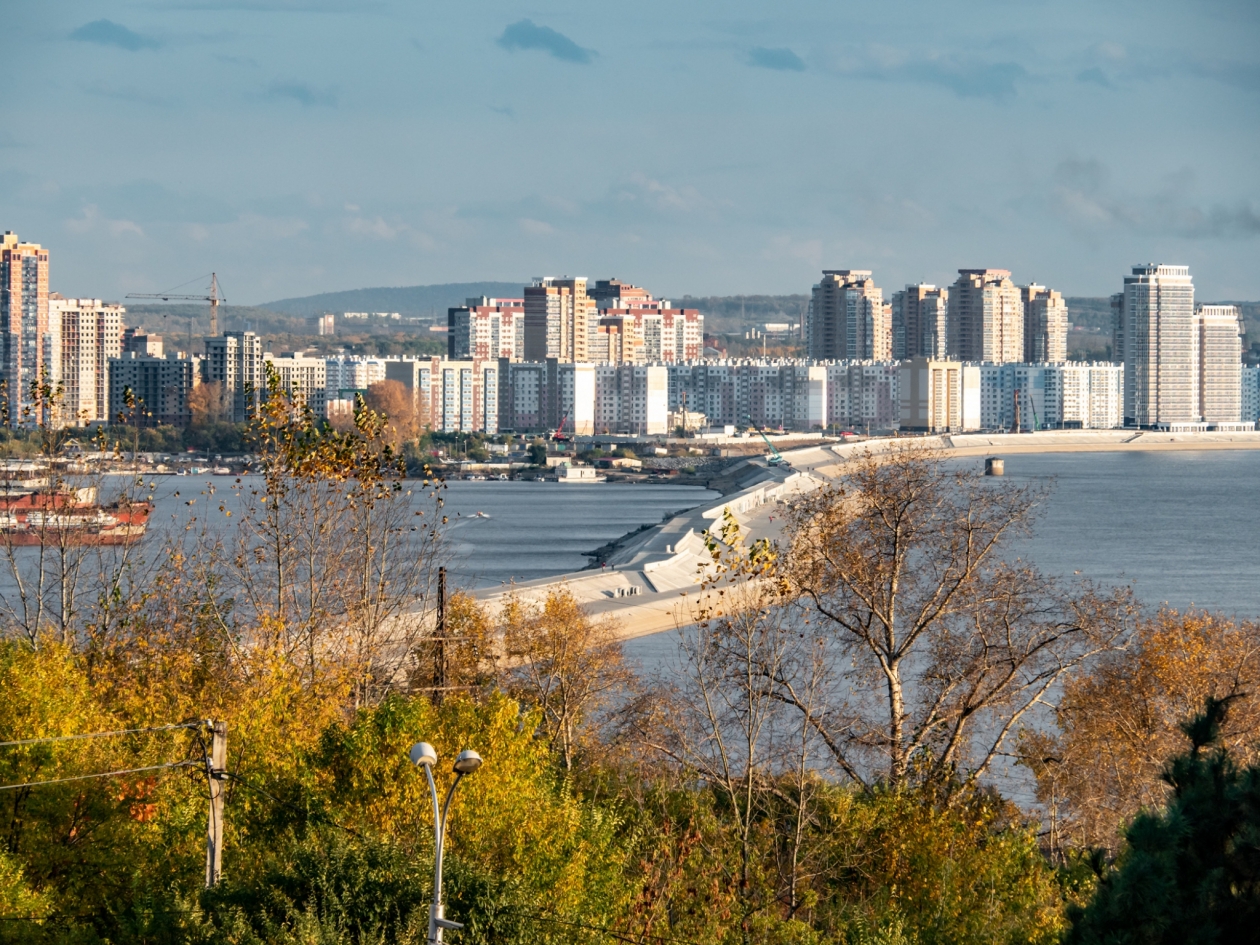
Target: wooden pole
[(216, 769)]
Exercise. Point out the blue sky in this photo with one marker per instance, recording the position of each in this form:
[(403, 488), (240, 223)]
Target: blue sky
[(300, 146)]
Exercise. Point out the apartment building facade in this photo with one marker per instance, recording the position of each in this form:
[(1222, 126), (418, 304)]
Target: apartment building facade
[(986, 317)]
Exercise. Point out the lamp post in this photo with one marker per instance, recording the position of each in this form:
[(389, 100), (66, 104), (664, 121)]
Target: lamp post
[(424, 755)]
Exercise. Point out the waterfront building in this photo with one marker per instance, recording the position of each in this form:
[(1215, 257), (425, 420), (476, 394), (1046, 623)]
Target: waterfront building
[(83, 336), (303, 379), (848, 318), (1117, 328), (159, 387), (1249, 396), (1091, 395), (24, 336), (632, 398), (986, 317), (1045, 325), (1219, 348), (558, 316), (1161, 369), (234, 361), (938, 396), (486, 328)]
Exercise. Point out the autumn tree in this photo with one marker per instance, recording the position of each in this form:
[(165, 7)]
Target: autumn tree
[(744, 666), (396, 403), (946, 643), (1119, 723), (567, 663), (331, 559), (207, 405)]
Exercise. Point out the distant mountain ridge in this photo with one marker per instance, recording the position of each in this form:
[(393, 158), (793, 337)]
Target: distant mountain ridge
[(412, 300)]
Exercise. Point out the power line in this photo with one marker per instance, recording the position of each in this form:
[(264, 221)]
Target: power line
[(102, 774), (121, 731)]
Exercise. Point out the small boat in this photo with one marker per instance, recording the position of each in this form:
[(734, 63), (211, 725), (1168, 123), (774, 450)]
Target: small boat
[(480, 515), (220, 471)]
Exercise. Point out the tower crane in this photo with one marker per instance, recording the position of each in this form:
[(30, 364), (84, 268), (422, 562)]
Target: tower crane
[(213, 298)]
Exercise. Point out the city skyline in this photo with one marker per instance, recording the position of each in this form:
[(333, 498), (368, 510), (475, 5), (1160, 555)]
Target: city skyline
[(297, 148)]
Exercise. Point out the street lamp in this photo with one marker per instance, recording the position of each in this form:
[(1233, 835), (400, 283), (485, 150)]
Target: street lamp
[(424, 755)]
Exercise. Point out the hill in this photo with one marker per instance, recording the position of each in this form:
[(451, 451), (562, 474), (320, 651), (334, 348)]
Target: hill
[(414, 300)]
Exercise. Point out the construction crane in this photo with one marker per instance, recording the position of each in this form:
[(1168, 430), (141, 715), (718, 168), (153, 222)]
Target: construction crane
[(775, 458), (213, 298)]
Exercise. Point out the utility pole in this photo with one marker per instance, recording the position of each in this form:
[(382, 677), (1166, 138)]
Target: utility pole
[(439, 653), (216, 772)]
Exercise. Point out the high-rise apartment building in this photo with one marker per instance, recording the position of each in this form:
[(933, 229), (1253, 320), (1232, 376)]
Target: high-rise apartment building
[(919, 319), (848, 318), (234, 360), (1161, 369), (986, 317), (1045, 325), (24, 337), (159, 388), (558, 316), (303, 379), (486, 328), (1117, 328), (1219, 345), (83, 336)]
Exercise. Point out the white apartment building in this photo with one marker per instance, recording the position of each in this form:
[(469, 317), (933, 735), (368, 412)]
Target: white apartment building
[(234, 360), (1249, 396), (632, 398), (1161, 370), (304, 380), (346, 374), (83, 335)]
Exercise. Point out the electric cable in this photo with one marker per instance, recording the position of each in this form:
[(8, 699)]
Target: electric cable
[(122, 731), (102, 774)]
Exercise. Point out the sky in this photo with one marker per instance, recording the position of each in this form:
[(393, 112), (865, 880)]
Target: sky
[(303, 146)]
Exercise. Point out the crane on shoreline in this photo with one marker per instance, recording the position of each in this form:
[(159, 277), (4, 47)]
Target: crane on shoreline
[(213, 298)]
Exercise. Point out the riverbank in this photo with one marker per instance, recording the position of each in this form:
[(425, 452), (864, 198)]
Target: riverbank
[(649, 579)]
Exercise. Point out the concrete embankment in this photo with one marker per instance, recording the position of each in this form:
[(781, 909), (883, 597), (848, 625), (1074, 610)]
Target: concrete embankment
[(650, 580)]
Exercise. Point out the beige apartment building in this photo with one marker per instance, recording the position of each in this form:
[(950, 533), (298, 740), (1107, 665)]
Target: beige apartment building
[(848, 318), (1045, 325), (1219, 345), (558, 319), (83, 335), (24, 340), (986, 317), (939, 396)]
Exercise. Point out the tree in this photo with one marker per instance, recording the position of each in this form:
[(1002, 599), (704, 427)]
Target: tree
[(207, 404), (1119, 722), (538, 453), (1191, 872), (566, 663), (732, 729), (947, 645), (397, 405)]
